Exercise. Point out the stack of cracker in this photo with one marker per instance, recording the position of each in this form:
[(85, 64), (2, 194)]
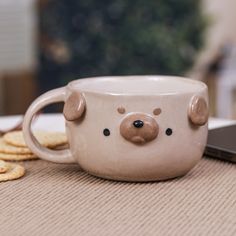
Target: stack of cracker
[(14, 148), (10, 171)]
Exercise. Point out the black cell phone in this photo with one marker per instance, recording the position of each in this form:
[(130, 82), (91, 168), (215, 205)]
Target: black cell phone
[(221, 143)]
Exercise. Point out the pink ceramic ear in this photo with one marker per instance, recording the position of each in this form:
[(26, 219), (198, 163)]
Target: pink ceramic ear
[(74, 106), (198, 111)]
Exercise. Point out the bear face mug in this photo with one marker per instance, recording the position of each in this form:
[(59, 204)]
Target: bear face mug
[(130, 128)]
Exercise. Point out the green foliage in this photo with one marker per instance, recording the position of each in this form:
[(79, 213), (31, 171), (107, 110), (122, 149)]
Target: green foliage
[(124, 36)]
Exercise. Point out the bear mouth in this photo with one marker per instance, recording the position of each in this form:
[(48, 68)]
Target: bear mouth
[(138, 140)]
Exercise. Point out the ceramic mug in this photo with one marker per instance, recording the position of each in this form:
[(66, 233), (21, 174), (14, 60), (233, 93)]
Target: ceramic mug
[(131, 128)]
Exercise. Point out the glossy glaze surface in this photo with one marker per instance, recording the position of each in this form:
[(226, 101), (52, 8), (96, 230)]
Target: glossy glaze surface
[(173, 152)]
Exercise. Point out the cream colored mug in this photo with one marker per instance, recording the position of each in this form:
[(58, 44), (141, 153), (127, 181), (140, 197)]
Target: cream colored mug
[(131, 128)]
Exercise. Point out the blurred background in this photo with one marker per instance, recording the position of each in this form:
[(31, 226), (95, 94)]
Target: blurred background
[(45, 44)]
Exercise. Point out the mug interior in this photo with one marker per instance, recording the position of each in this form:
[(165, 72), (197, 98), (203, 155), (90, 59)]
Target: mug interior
[(138, 85)]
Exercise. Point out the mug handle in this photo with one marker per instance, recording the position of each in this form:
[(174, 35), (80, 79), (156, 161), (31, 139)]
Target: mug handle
[(60, 156)]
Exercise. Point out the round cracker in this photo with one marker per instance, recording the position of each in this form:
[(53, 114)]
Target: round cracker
[(46, 139), (17, 157), (14, 171), (3, 166), (10, 149)]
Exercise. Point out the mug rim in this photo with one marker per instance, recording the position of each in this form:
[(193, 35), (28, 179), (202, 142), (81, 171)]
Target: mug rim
[(196, 85)]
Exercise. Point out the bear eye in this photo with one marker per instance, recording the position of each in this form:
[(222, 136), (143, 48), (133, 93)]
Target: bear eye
[(106, 132), (169, 131)]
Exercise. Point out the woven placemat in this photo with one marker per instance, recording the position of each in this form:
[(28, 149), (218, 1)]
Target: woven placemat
[(58, 199)]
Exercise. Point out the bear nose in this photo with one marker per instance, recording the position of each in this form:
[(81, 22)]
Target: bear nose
[(138, 124), (139, 128)]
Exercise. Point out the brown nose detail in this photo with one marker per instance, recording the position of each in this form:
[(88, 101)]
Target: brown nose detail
[(139, 128)]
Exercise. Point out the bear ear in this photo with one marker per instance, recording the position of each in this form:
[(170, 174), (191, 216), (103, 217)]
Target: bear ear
[(198, 111), (74, 106)]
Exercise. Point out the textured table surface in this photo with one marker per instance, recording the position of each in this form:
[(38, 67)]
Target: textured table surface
[(58, 199)]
